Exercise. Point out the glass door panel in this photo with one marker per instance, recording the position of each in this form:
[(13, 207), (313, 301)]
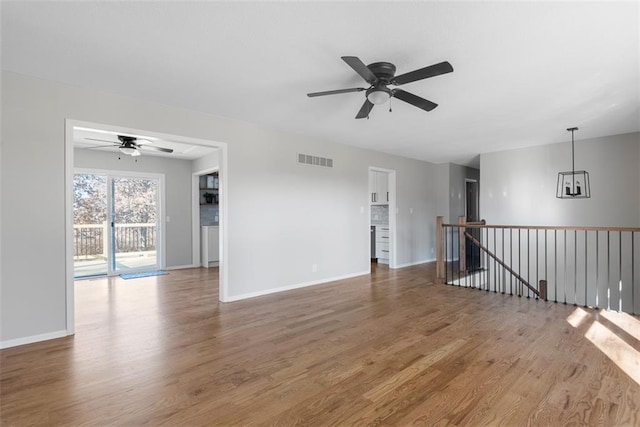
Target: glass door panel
[(90, 228), (134, 224)]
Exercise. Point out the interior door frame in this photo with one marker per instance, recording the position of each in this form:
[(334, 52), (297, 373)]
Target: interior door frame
[(161, 223), (391, 181), (68, 167), (195, 222)]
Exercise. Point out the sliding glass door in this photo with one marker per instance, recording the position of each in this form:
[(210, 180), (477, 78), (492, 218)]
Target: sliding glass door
[(134, 226), (116, 228), (90, 226)]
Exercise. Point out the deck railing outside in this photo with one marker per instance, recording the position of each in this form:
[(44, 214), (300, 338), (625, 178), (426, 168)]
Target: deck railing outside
[(588, 266), (90, 240)]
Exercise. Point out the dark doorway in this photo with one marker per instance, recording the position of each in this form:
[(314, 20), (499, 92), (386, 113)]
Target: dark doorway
[(472, 252)]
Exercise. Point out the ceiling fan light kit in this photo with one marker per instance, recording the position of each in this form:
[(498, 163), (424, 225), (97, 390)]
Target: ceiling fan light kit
[(131, 151), (380, 75), (379, 95), (573, 184)]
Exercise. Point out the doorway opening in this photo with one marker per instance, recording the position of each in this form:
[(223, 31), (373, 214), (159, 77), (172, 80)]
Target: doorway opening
[(206, 218), (77, 138), (116, 223), (382, 221), (472, 214)]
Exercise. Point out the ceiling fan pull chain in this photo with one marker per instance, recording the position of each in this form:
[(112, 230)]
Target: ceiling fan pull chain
[(390, 110)]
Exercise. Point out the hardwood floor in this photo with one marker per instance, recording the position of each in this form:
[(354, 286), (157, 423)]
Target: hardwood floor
[(392, 348)]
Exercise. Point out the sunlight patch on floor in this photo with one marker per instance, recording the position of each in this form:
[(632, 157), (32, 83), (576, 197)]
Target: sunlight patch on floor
[(624, 321), (622, 354), (578, 317)]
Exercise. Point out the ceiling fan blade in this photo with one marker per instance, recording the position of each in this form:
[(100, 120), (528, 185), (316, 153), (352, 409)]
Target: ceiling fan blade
[(423, 73), (365, 109), (359, 67), (414, 100), (98, 147), (102, 140), (153, 147), (335, 92)]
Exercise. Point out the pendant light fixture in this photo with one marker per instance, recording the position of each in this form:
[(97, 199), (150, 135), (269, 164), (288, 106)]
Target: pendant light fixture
[(573, 184)]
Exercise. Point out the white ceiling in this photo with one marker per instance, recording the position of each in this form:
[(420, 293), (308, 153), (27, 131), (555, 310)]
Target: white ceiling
[(524, 71)]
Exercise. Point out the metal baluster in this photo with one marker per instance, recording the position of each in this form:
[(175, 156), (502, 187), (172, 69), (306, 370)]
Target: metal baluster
[(488, 262), (620, 272), (564, 287), (575, 267), (546, 276), (504, 284), (528, 261), (608, 272), (537, 261), (511, 260), (519, 262), (457, 269), (555, 266), (597, 267), (633, 275), (495, 265), (586, 280), (446, 273)]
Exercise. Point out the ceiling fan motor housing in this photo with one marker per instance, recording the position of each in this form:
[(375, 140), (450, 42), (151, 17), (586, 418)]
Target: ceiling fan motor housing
[(127, 140), (384, 71)]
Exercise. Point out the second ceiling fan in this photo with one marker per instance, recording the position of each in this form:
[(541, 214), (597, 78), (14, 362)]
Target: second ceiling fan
[(380, 75), (131, 145)]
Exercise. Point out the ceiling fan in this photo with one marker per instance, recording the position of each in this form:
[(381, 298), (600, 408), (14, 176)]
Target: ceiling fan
[(380, 75), (131, 145)]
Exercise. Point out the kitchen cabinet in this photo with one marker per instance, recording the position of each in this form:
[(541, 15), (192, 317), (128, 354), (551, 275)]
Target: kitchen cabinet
[(209, 246), (379, 188), (382, 244), (209, 189)]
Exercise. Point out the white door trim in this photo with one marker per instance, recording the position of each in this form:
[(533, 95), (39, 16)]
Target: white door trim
[(69, 170)]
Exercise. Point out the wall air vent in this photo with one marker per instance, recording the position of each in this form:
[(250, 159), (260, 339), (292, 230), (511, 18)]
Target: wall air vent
[(306, 159)]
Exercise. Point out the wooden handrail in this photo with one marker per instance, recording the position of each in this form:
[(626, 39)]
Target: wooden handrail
[(499, 261), (545, 227)]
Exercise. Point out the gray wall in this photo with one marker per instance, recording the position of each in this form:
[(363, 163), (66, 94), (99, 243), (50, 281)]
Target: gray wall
[(519, 186), (282, 217), (177, 194)]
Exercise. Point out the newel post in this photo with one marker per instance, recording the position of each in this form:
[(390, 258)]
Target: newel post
[(440, 249), (462, 257), (543, 290)]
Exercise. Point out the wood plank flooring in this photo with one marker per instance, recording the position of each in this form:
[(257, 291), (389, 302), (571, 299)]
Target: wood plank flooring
[(392, 348)]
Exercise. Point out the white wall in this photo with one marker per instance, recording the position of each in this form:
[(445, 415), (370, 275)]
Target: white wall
[(519, 186), (282, 217), (177, 194)]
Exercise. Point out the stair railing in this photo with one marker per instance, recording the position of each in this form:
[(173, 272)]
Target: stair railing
[(589, 266)]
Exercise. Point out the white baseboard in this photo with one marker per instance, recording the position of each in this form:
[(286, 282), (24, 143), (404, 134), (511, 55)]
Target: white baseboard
[(33, 338), (180, 267), (296, 286), (409, 264)]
